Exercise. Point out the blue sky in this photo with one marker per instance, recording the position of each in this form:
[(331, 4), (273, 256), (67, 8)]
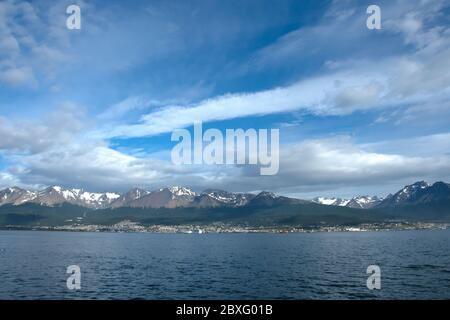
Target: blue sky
[(359, 111)]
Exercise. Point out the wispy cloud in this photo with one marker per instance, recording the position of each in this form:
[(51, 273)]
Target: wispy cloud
[(338, 93), (341, 87)]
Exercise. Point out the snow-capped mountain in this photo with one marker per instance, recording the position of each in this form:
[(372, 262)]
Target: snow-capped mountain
[(16, 195), (175, 197), (420, 192), (409, 192), (265, 198), (364, 202), (172, 197), (229, 198), (360, 202), (55, 195)]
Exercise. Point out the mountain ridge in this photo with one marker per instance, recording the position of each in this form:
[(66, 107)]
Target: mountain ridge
[(175, 206), (418, 193)]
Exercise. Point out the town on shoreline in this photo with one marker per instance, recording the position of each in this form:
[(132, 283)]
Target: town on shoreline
[(130, 226)]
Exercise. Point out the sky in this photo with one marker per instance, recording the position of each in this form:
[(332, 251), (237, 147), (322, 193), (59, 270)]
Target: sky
[(360, 111)]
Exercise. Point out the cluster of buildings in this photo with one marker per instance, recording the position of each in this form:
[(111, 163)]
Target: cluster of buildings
[(130, 226)]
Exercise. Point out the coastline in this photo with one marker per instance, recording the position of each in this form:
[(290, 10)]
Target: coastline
[(133, 227)]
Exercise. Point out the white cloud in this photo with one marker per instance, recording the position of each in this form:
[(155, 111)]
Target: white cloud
[(33, 42), (64, 126), (8, 180), (388, 84), (131, 105), (18, 77), (321, 95), (434, 145), (327, 166), (94, 165), (339, 161), (309, 166), (9, 46)]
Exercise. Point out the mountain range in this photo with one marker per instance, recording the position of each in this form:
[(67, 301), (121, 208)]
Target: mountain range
[(56, 205), (174, 197)]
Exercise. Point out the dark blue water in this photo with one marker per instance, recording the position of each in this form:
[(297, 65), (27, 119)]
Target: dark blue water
[(414, 264)]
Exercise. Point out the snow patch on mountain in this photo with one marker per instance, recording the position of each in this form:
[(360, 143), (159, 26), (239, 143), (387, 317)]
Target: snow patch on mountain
[(331, 201), (360, 202), (229, 198), (182, 191)]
